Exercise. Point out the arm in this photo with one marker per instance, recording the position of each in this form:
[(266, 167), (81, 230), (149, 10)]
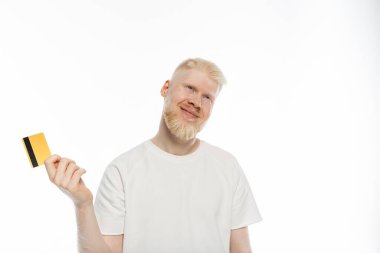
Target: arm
[(90, 239), (66, 175), (239, 241), (115, 242)]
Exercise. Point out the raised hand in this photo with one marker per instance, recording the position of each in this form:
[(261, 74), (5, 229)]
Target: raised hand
[(66, 175)]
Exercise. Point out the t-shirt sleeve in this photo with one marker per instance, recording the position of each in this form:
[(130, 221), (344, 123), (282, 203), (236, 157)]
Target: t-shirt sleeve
[(109, 202), (244, 208)]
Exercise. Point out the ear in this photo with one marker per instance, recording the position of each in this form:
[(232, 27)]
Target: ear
[(165, 88)]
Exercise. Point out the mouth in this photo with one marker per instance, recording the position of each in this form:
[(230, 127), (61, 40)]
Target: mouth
[(189, 112)]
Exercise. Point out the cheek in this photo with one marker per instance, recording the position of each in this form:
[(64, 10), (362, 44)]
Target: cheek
[(206, 114), (166, 105), (169, 104), (173, 98)]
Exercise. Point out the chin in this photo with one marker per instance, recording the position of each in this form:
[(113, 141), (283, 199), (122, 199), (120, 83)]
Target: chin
[(180, 128)]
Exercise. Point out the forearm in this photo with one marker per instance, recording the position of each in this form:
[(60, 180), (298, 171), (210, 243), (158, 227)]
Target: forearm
[(90, 240)]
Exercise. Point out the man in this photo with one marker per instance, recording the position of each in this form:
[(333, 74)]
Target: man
[(173, 193)]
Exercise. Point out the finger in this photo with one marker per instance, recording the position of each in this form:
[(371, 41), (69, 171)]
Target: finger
[(69, 174), (76, 178), (50, 165), (62, 166)]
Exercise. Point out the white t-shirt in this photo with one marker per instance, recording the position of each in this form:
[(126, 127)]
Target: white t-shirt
[(164, 203)]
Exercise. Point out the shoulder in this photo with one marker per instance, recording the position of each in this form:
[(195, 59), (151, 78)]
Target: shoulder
[(224, 161), (133, 155), (221, 155)]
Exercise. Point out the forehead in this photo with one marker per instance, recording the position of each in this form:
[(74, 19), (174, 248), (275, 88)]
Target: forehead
[(197, 78)]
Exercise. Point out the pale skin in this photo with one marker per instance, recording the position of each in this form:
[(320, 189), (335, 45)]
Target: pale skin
[(194, 109)]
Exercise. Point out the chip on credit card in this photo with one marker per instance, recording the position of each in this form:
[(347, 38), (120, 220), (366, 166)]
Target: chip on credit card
[(36, 149)]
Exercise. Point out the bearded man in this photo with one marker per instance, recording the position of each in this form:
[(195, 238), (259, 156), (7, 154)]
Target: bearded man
[(173, 193)]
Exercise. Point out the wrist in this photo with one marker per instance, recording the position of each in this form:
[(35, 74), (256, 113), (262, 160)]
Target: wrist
[(83, 206)]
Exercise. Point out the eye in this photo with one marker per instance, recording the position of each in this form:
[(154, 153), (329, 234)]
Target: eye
[(189, 89), (207, 98)]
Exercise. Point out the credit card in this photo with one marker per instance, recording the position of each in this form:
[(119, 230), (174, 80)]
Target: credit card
[(36, 149)]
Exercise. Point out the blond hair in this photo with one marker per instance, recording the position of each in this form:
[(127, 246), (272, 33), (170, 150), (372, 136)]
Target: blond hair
[(207, 67)]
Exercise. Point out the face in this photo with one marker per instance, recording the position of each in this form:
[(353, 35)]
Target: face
[(189, 99)]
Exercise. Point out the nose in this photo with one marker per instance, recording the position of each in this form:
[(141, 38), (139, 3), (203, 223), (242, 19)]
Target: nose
[(195, 101)]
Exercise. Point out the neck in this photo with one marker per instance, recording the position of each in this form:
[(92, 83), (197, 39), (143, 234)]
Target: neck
[(165, 140)]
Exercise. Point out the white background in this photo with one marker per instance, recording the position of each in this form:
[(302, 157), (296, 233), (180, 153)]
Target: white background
[(300, 110)]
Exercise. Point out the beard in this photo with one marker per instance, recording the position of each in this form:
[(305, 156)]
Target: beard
[(179, 129)]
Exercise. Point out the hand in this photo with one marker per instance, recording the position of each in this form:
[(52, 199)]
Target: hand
[(66, 175)]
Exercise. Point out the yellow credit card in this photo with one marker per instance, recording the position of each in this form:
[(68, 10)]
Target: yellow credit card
[(36, 148)]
